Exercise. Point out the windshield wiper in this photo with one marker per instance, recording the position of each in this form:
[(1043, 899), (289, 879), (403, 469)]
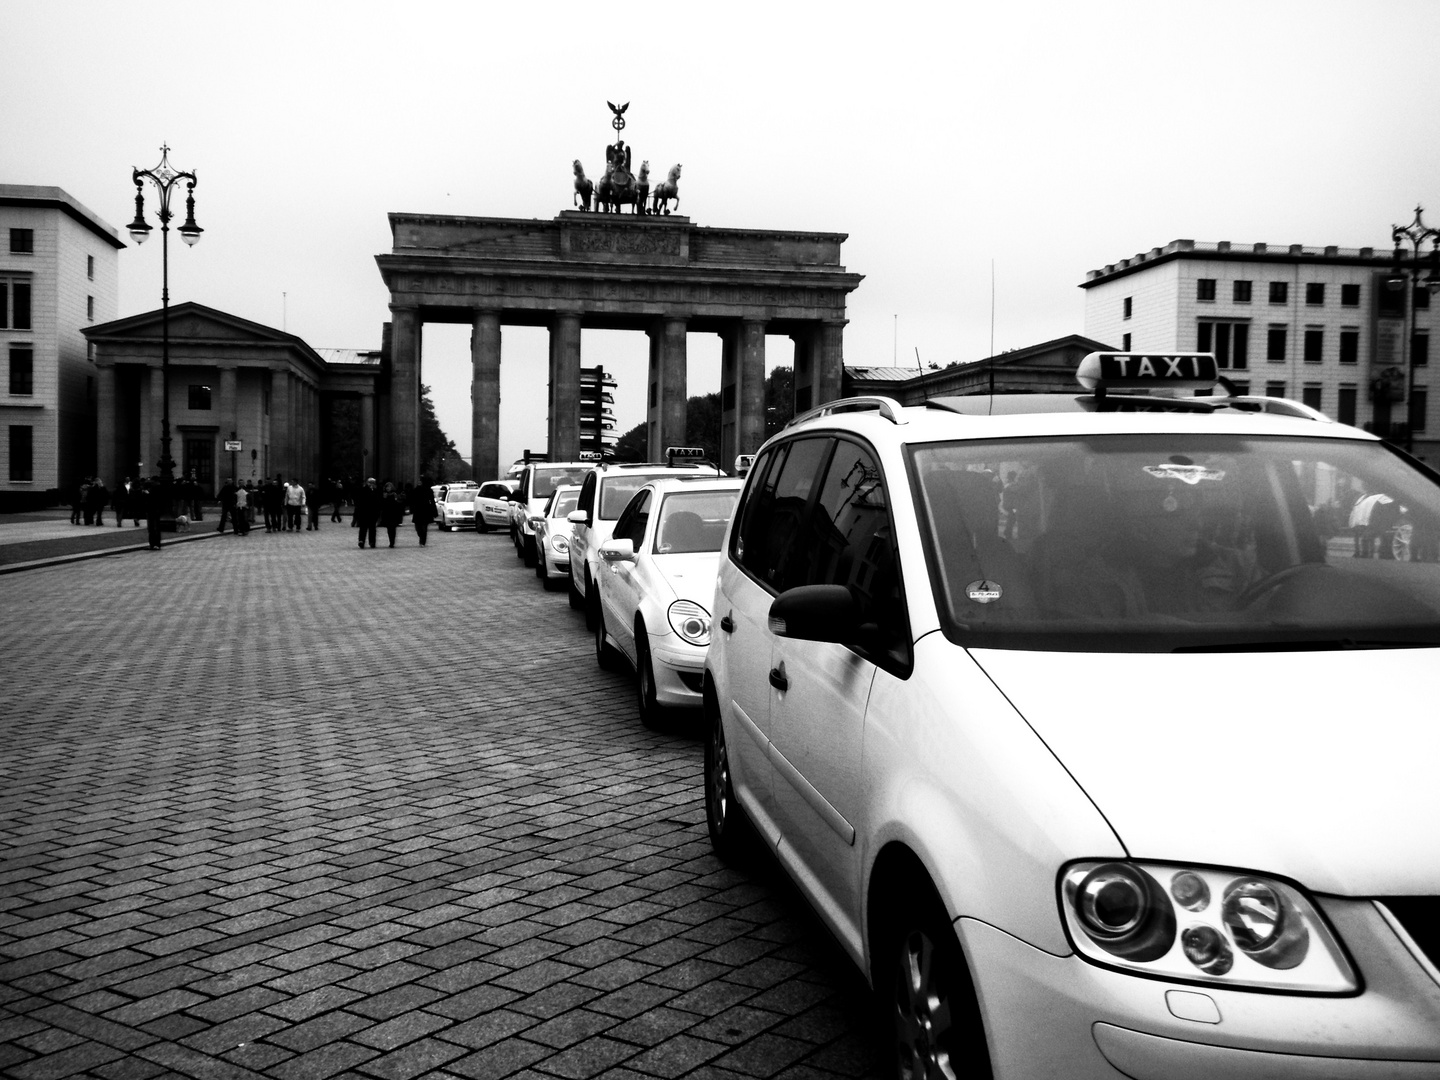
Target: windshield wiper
[(1311, 645)]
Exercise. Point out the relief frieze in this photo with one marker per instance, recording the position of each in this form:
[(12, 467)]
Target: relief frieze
[(625, 242)]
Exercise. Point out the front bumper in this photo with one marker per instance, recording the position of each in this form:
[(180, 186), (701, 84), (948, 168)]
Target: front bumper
[(679, 670), (1049, 1015)]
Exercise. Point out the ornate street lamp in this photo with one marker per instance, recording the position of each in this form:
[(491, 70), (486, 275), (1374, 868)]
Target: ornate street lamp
[(165, 177), (1406, 277)]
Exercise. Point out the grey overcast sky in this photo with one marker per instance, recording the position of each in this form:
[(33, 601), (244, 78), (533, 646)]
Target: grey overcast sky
[(1047, 138)]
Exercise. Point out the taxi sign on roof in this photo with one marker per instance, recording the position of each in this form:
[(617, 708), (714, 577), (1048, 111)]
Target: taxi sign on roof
[(673, 452), (1149, 371)]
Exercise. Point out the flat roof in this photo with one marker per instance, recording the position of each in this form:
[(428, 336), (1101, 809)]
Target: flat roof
[(1225, 251), (54, 198)]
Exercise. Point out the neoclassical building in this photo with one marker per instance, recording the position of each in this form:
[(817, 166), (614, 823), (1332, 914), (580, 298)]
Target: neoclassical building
[(246, 400)]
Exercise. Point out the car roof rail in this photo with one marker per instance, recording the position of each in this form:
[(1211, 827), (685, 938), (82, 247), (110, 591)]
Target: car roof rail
[(887, 407)]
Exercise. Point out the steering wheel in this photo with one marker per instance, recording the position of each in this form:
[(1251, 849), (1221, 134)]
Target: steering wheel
[(1268, 584)]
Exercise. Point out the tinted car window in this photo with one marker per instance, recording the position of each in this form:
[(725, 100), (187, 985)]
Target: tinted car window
[(694, 521), (615, 492), (587, 494), (563, 502), (633, 519), (772, 527)]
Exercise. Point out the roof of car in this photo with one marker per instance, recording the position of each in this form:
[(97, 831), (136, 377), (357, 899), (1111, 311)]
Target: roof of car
[(696, 483)]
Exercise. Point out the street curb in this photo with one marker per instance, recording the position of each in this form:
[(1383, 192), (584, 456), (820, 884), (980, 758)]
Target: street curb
[(80, 556)]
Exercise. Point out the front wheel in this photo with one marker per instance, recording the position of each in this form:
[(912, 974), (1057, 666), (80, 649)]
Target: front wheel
[(926, 990), (576, 600), (652, 715), (605, 654)]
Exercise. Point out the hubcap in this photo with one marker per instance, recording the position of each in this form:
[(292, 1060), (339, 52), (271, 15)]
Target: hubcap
[(922, 1012), (719, 774)]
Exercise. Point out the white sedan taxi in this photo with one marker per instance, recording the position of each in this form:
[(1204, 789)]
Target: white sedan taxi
[(553, 533), (458, 509), (656, 584), (1102, 750)]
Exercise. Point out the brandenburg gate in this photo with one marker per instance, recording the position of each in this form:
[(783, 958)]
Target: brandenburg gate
[(585, 269)]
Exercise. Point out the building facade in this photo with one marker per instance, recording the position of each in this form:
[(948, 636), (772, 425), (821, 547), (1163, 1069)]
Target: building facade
[(59, 266), (1330, 326), (246, 400)]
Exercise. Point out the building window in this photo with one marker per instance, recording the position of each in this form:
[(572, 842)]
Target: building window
[(1279, 292), (90, 308), (1314, 345), (1420, 349), (1126, 305), (22, 370), (1241, 292), (1419, 400), (1315, 294), (1230, 342), (1241, 388), (15, 303), (1310, 395), (1205, 289), (1274, 389), (1345, 410), (1422, 297), (22, 452), (90, 267), (22, 242), (199, 397), (1349, 295), (1349, 345), (1275, 342), (1124, 342)]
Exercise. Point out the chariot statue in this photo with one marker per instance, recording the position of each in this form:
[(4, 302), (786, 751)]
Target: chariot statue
[(618, 186)]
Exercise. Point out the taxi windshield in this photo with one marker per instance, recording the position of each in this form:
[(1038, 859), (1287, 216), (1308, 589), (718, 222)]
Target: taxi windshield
[(692, 521), (460, 495), (547, 480), (1159, 542)]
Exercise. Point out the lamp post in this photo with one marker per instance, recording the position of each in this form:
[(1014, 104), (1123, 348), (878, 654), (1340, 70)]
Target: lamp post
[(164, 176), (1406, 278)]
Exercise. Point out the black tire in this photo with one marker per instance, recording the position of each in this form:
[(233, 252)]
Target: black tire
[(924, 987), (592, 603), (652, 713), (576, 600), (730, 831), (481, 526), (605, 654), (529, 553)]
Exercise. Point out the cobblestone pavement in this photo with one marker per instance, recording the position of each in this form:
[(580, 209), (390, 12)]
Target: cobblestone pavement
[(274, 806)]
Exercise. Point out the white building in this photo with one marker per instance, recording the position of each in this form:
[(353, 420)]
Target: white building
[(59, 265), (1316, 324)]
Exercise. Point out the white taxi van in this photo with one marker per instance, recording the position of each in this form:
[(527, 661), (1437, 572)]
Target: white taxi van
[(1099, 739)]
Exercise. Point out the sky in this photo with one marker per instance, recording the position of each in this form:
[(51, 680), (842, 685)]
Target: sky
[(957, 145)]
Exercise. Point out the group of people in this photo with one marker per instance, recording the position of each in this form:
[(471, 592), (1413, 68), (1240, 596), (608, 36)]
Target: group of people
[(281, 505), (386, 506)]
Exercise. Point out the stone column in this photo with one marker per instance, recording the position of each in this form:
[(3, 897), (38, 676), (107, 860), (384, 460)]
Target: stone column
[(750, 402), (666, 413), (565, 387), (106, 442), (367, 436), (829, 361), (282, 424), (485, 396), (404, 463)]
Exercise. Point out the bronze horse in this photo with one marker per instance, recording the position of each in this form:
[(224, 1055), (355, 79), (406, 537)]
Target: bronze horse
[(584, 187), (666, 190)]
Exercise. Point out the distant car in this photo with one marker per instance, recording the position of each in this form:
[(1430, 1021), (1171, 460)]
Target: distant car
[(492, 505), (458, 509), (552, 536), (607, 489), (657, 586), (537, 480)]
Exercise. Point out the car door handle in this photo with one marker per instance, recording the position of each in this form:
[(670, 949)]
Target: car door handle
[(727, 624), (778, 679)]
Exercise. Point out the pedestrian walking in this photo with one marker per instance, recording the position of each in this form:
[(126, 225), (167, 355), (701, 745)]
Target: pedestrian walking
[(337, 496), (191, 493), (392, 510), (77, 501), (294, 495), (227, 504), (367, 511), (120, 500), (313, 498), (239, 509), (96, 498), (422, 509)]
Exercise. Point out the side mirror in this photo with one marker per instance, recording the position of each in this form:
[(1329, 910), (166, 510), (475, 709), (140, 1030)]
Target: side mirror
[(815, 613), (578, 517), (615, 551)]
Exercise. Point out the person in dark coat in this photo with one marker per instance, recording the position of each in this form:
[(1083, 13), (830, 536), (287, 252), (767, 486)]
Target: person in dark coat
[(392, 510), (367, 511), (422, 509), (227, 506), (154, 497), (96, 498), (120, 499)]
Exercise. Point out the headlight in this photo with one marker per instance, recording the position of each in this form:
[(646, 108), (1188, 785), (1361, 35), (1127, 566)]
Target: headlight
[(690, 621), (1203, 925), (560, 545)]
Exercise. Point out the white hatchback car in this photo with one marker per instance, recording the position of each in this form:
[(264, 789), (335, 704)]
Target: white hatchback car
[(492, 505), (1098, 757), (656, 585)]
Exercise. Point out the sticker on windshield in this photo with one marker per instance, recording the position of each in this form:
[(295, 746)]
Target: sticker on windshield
[(1187, 474), (984, 592)]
